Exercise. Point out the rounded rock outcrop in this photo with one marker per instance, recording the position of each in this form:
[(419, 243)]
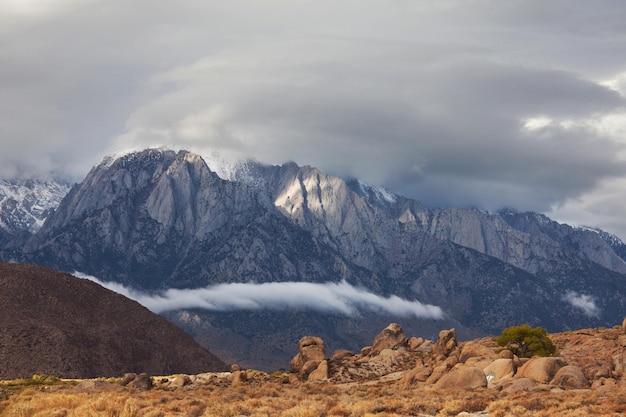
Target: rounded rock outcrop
[(468, 378), (311, 353), (570, 377), (540, 369), (392, 337)]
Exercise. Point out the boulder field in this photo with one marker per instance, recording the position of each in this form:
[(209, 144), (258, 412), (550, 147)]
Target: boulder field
[(589, 358)]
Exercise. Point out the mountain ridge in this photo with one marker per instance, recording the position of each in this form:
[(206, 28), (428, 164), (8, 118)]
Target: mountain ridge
[(159, 219)]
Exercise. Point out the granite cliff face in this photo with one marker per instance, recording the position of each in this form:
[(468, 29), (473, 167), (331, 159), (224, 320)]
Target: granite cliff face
[(338, 211), (161, 219)]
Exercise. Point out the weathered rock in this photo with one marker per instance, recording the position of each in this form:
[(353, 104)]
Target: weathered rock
[(180, 381), (500, 368), (446, 342), (506, 354), (604, 385), (127, 378), (320, 373), (312, 348), (307, 368), (436, 374), (624, 325), (239, 378), (142, 382), (570, 377), (311, 352), (366, 350), (341, 354), (418, 374), (477, 349), (415, 342), (604, 382), (392, 337), (451, 361), (467, 378), (3, 395), (541, 370), (518, 384), (390, 359)]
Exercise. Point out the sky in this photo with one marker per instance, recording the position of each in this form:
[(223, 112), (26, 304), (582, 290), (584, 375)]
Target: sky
[(474, 103)]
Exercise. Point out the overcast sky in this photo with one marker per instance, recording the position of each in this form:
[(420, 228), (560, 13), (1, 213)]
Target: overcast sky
[(455, 103)]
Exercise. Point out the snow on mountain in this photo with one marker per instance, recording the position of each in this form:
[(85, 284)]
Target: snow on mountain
[(376, 193), (609, 238), (25, 203)]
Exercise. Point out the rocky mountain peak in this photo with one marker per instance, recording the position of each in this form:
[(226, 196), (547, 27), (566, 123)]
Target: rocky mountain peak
[(26, 203), (160, 219)]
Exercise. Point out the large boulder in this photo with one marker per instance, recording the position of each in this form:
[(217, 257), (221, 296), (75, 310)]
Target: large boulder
[(500, 369), (392, 337), (467, 378), (320, 373), (141, 382), (311, 353), (447, 342), (518, 384), (570, 377), (312, 348), (540, 369)]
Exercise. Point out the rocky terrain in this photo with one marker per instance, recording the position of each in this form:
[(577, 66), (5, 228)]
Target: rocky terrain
[(585, 359), (395, 375), (156, 220), (56, 324)]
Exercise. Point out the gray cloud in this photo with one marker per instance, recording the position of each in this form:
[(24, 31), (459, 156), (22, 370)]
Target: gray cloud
[(337, 298), (439, 101)]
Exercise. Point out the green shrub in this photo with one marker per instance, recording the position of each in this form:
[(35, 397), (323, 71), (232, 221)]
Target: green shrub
[(525, 341)]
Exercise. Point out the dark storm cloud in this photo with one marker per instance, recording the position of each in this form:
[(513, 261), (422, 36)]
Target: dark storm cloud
[(485, 104)]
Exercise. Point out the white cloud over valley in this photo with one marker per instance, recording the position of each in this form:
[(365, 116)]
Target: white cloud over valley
[(337, 298)]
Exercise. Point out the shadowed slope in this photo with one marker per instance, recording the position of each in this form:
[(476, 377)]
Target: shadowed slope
[(57, 324)]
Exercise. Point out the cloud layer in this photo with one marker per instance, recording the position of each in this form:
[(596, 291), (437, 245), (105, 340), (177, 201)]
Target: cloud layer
[(336, 298), (484, 103)]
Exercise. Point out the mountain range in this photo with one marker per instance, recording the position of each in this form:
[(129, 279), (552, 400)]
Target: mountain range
[(158, 220)]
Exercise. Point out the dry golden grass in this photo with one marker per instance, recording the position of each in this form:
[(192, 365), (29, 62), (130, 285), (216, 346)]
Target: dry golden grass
[(271, 399)]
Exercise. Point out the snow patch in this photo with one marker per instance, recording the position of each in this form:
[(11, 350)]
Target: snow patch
[(377, 193), (26, 203)]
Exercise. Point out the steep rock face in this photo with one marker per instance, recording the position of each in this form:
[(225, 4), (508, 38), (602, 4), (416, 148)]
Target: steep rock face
[(591, 244), (160, 219), (371, 226), (56, 324)]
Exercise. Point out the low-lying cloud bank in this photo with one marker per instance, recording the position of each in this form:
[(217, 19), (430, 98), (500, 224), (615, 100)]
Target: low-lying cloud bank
[(340, 297), (583, 302)]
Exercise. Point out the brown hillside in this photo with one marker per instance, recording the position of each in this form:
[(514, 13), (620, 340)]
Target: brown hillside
[(56, 324)]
